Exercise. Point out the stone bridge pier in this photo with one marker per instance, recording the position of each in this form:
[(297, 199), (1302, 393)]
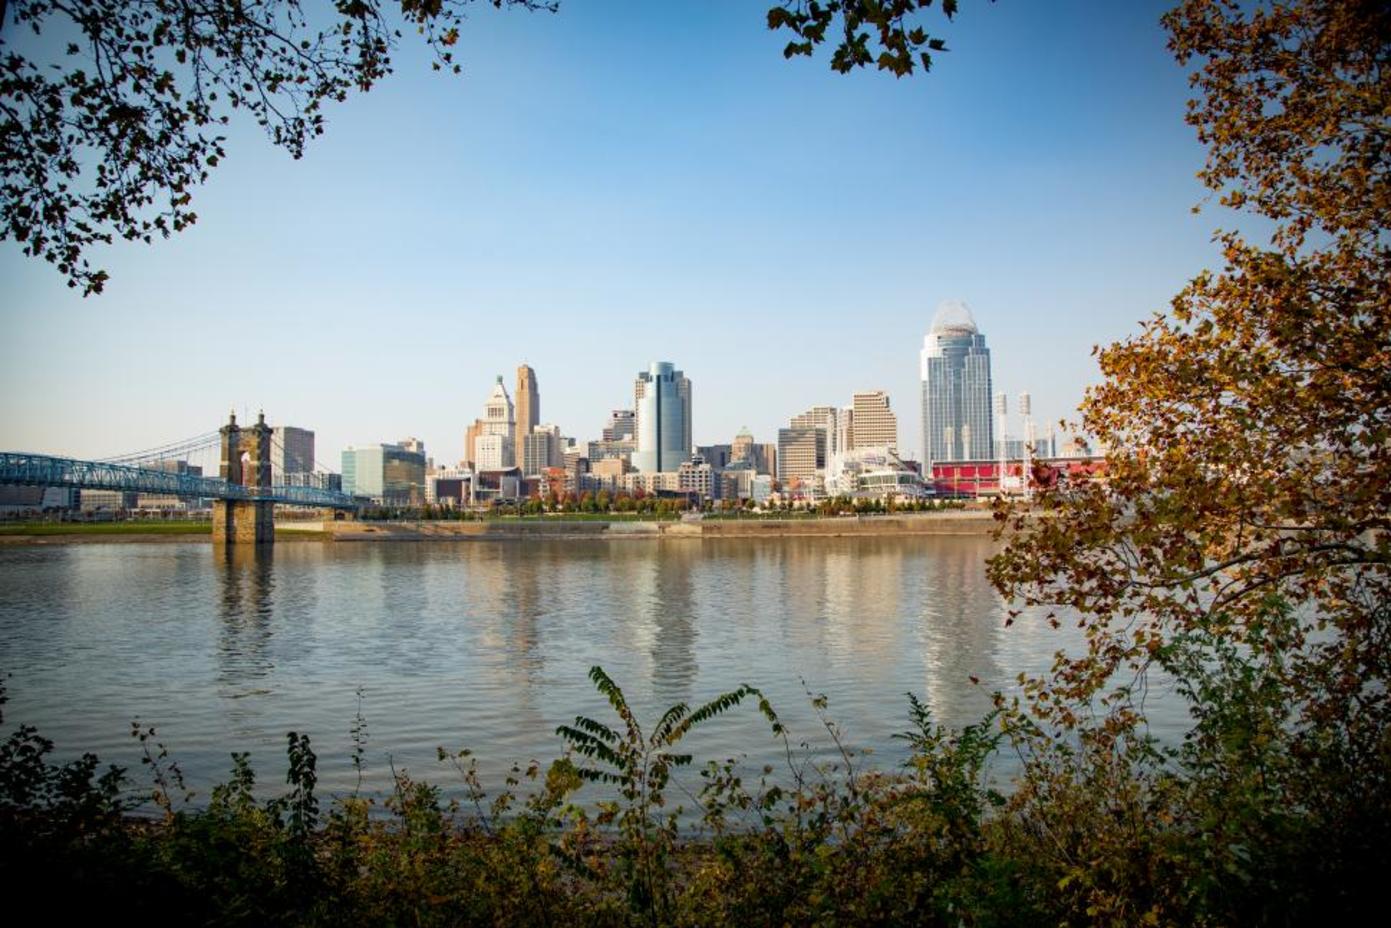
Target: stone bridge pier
[(245, 461)]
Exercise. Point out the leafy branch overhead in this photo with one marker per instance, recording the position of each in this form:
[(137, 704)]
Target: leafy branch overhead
[(112, 112), (863, 27)]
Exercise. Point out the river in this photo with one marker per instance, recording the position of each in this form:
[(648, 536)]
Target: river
[(487, 645)]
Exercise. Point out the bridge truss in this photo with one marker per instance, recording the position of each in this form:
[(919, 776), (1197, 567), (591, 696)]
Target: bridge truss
[(48, 471)]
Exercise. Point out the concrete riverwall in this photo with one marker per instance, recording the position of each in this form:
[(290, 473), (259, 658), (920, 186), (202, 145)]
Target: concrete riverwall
[(954, 522)]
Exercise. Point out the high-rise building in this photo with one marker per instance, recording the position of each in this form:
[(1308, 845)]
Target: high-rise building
[(387, 474), (542, 448), (662, 403), (801, 453), (818, 417), (622, 426), (873, 424), (471, 442), (741, 449), (955, 372), (494, 452), (717, 456), (528, 408), (291, 452), (498, 421), (765, 458)]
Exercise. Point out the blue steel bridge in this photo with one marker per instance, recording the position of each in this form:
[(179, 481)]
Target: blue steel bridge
[(42, 470), (150, 472)]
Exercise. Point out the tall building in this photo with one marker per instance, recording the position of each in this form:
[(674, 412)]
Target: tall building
[(498, 422), (801, 453), (873, 424), (528, 408), (387, 474), (717, 456), (291, 452), (741, 449), (622, 426), (662, 403), (542, 448), (818, 417), (494, 452), (955, 372)]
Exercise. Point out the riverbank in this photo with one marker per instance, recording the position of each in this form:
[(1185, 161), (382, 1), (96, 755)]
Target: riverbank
[(949, 522), (66, 533)]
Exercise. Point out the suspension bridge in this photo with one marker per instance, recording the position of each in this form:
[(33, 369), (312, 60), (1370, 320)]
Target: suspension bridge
[(243, 494)]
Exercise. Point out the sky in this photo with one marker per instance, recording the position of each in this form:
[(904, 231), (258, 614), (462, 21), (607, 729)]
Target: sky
[(627, 182)]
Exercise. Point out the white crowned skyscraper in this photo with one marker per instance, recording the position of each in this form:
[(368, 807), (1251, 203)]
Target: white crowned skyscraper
[(955, 371)]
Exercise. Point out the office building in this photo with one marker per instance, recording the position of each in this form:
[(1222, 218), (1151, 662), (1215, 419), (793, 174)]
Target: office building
[(662, 404), (387, 474), (871, 423), (494, 452), (498, 421), (801, 453), (765, 458), (543, 447), (954, 367), (717, 456), (742, 448), (291, 452), (528, 401), (697, 476), (622, 426)]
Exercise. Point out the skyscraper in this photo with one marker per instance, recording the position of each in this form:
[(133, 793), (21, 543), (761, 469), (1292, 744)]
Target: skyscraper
[(621, 427), (955, 372), (873, 424), (662, 403), (490, 443), (291, 452), (528, 407)]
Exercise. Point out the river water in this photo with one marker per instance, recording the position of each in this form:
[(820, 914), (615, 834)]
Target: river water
[(487, 645)]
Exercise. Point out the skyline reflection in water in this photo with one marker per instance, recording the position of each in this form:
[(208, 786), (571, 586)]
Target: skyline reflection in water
[(488, 645)]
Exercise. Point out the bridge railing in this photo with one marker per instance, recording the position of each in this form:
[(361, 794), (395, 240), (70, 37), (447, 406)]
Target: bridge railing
[(49, 471)]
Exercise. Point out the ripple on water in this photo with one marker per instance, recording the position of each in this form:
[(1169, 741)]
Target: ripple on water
[(487, 646)]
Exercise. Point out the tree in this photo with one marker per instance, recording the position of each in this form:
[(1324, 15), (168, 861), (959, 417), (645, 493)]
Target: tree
[(109, 139), (1248, 430)]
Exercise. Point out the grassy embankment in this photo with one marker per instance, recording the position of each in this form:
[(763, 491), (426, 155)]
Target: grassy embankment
[(97, 530), (107, 528)]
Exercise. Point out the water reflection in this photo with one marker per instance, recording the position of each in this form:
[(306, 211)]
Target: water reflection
[(246, 579), (487, 644), (961, 620), (672, 605)]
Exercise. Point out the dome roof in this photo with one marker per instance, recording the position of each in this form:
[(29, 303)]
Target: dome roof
[(953, 317)]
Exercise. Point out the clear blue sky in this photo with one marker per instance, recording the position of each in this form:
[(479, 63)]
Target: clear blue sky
[(624, 182)]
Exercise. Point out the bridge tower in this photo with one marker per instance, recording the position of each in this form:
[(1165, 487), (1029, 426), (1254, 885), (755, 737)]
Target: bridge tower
[(245, 461)]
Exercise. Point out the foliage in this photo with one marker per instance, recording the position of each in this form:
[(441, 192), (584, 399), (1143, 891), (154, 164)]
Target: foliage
[(108, 139), (1232, 827), (1239, 541), (893, 28), (1249, 430)]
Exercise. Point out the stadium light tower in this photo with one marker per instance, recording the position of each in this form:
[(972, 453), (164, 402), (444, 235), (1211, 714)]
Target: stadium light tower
[(1001, 423), (1026, 411)]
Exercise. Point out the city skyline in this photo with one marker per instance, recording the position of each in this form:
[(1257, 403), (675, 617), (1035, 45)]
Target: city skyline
[(687, 213)]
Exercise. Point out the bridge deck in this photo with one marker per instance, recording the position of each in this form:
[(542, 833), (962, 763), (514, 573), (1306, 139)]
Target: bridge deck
[(48, 471)]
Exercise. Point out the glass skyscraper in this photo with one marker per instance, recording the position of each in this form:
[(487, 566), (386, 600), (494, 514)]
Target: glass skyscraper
[(662, 403), (955, 371)]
